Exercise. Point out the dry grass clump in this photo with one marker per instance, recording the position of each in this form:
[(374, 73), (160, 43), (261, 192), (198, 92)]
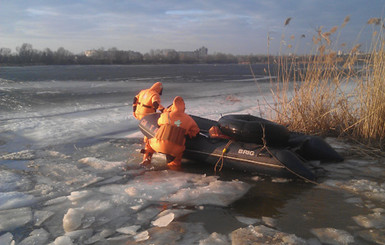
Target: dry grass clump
[(334, 94)]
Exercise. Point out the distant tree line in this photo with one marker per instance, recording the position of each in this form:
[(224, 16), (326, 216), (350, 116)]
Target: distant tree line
[(27, 55)]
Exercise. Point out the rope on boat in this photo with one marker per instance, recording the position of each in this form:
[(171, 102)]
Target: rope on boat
[(264, 147), (288, 169), (224, 151)]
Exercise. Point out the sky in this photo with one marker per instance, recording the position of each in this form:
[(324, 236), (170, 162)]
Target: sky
[(239, 27)]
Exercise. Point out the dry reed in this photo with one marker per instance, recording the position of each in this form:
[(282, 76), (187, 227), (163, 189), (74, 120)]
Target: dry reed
[(334, 94)]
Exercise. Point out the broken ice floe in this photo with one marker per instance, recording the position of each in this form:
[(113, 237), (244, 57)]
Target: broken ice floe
[(101, 165), (374, 236), (333, 236), (39, 236), (9, 200), (7, 239), (164, 221), (10, 181), (85, 212), (364, 187), (374, 220), (263, 235), (14, 218), (215, 239)]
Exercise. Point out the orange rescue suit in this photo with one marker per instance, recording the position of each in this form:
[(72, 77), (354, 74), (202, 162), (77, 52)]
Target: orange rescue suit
[(147, 101), (174, 125)]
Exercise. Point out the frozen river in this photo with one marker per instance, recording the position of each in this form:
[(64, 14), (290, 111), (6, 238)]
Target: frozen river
[(69, 174)]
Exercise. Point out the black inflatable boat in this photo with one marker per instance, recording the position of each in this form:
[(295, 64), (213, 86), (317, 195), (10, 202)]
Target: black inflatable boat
[(251, 144)]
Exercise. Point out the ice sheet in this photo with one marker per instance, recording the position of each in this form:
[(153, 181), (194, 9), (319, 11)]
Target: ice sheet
[(83, 188)]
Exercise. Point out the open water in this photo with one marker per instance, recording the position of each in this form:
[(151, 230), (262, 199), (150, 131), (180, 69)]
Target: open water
[(69, 155)]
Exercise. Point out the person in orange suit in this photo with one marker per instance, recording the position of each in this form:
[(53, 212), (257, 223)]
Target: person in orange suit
[(170, 138), (146, 102)]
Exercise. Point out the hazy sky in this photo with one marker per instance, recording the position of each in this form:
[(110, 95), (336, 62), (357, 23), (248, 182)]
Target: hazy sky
[(227, 26)]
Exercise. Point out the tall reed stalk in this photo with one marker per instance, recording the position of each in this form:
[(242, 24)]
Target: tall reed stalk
[(370, 123), (334, 94)]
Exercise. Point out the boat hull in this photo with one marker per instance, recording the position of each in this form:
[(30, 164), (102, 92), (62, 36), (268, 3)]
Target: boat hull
[(237, 155)]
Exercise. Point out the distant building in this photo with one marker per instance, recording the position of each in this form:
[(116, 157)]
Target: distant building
[(196, 54)]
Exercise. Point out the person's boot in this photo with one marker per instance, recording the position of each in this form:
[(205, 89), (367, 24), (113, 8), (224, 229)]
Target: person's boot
[(176, 163), (146, 159)]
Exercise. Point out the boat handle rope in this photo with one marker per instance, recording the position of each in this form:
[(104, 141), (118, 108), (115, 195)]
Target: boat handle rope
[(287, 168), (224, 151)]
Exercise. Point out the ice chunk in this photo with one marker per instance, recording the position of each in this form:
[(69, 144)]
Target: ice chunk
[(263, 235), (370, 189), (62, 240), (279, 180), (101, 164), (177, 212), (143, 236), (269, 221), (215, 193), (39, 236), (333, 236), (13, 218), (11, 182), (155, 185), (164, 221), (7, 239), (215, 239), (375, 220), (78, 195), (247, 220), (80, 235), (55, 201), (40, 216), (374, 236), (15, 200), (100, 236), (73, 219), (129, 230)]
